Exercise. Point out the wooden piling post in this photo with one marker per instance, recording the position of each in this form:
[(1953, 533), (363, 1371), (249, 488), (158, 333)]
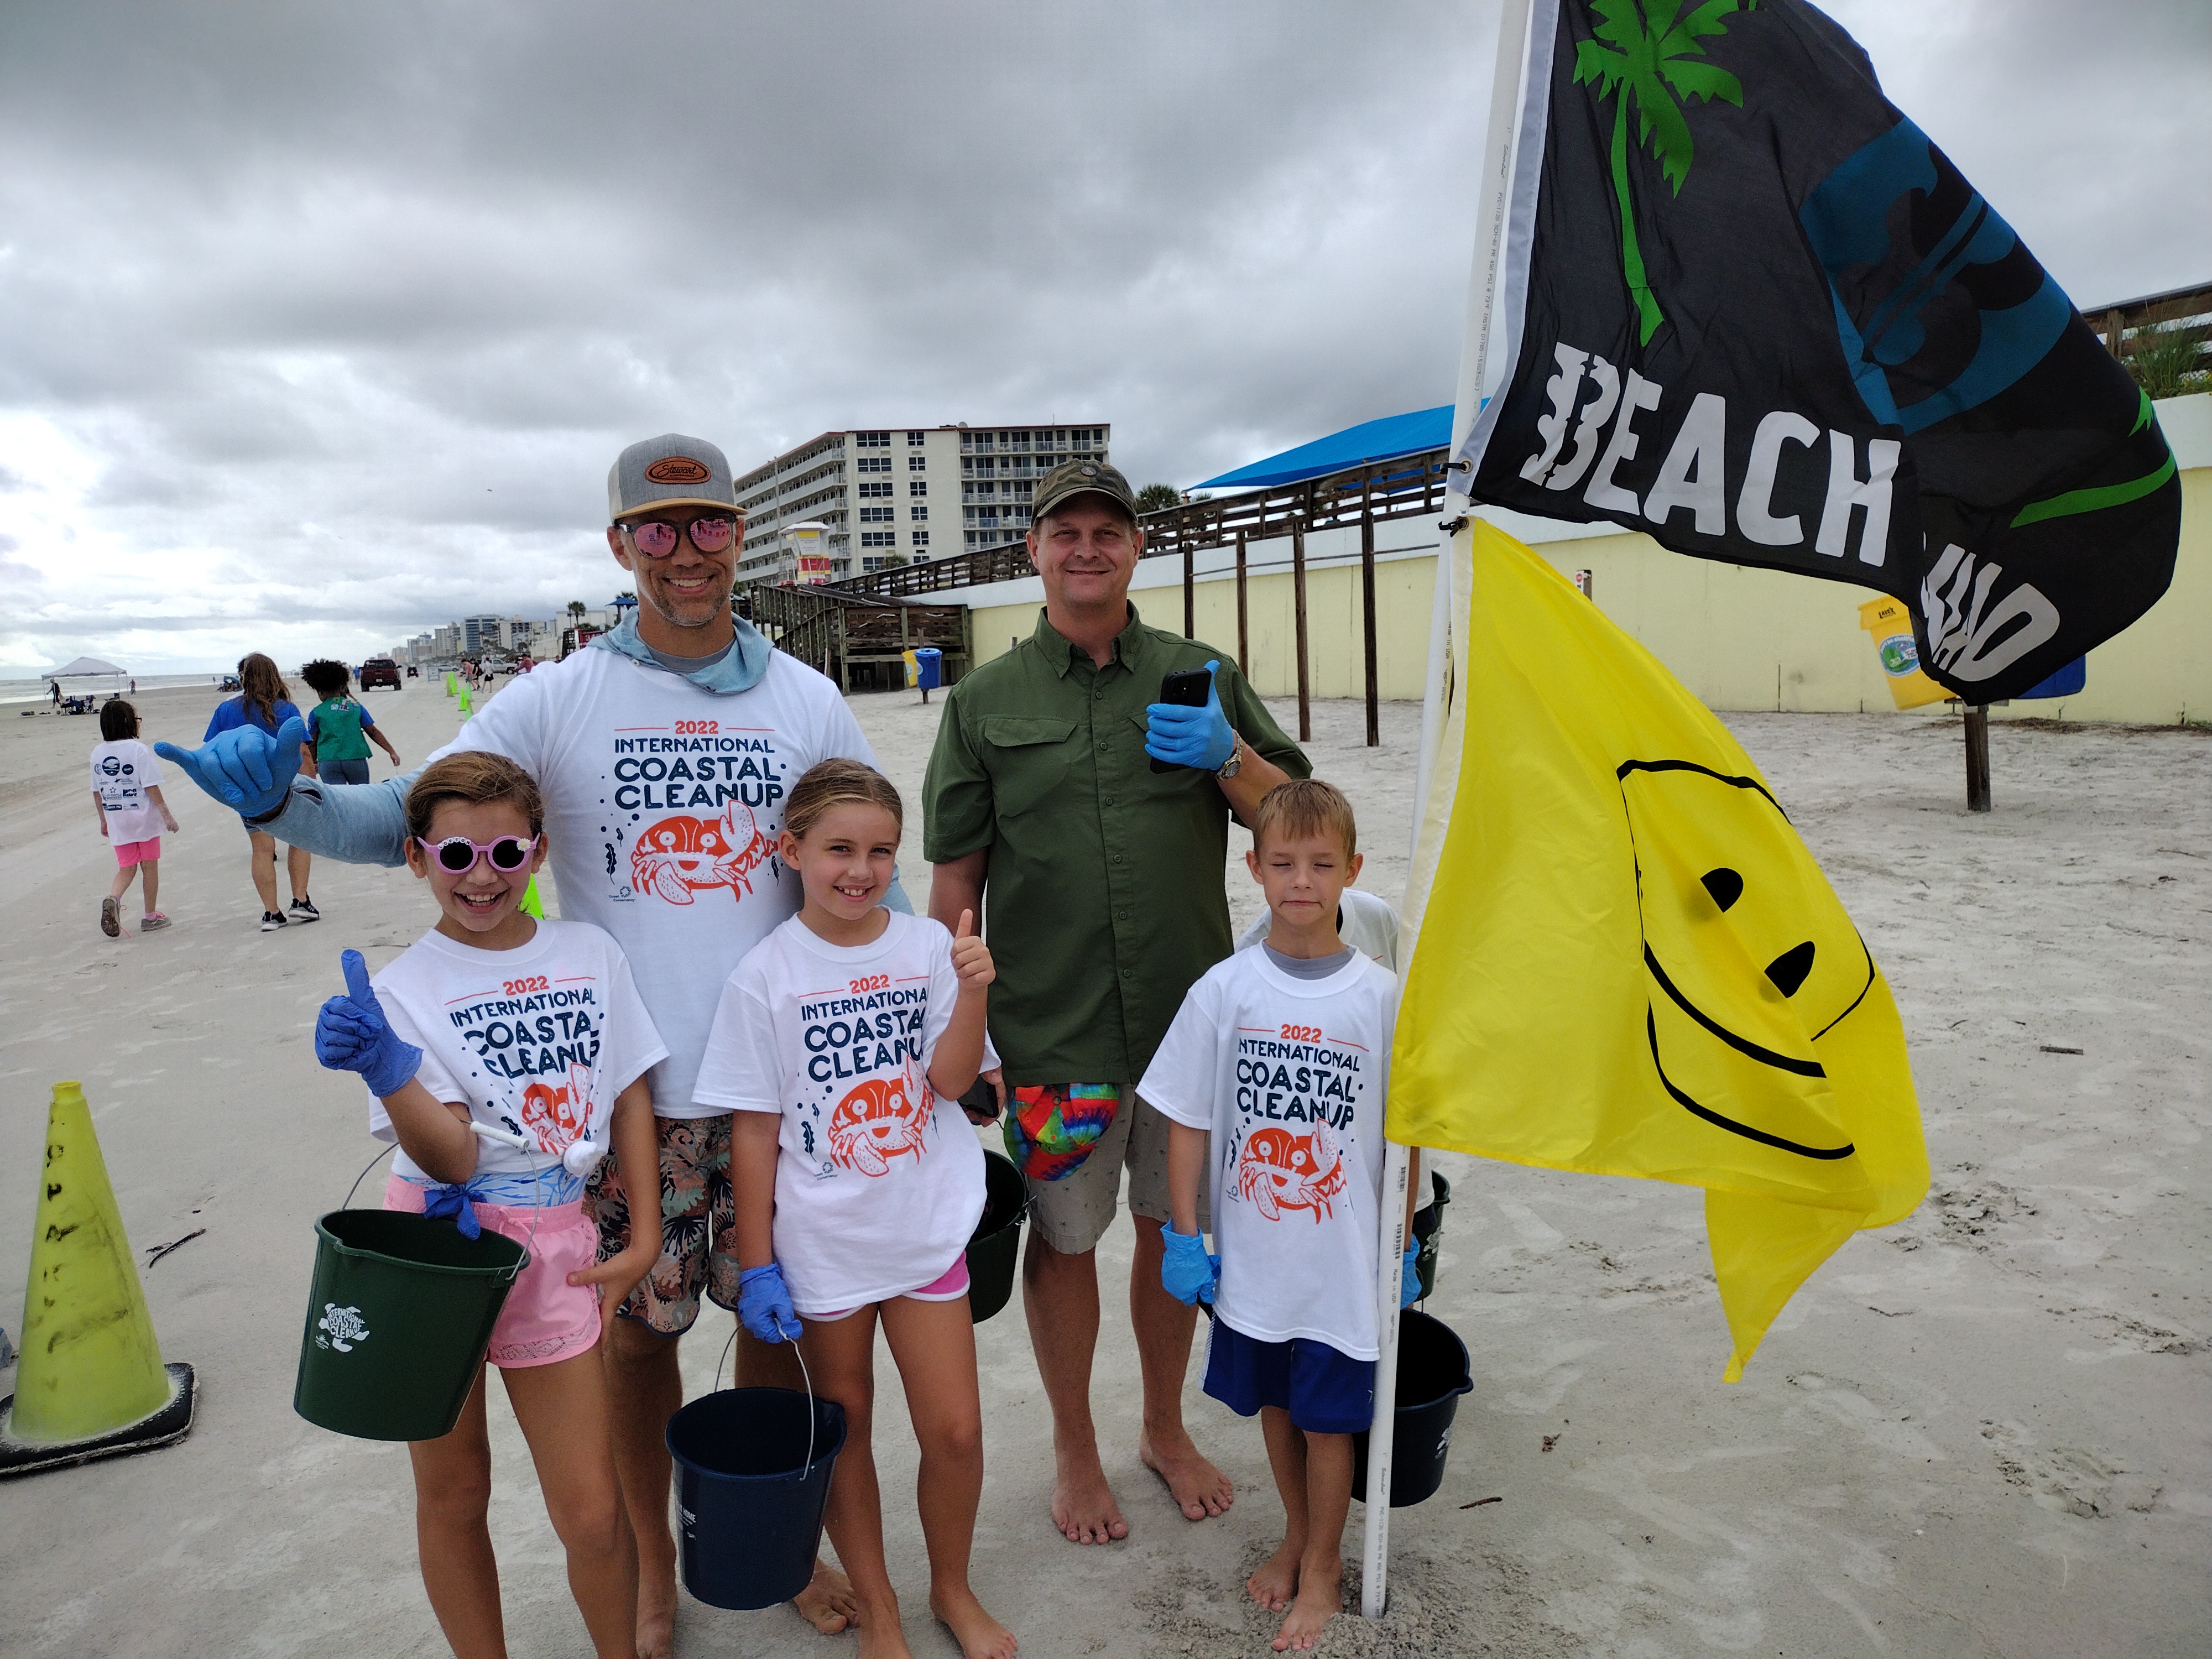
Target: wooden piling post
[(1298, 599), (1367, 621), (1244, 617), (1977, 758), (1189, 589)]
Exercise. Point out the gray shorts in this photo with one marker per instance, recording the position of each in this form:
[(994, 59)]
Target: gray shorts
[(1071, 1214)]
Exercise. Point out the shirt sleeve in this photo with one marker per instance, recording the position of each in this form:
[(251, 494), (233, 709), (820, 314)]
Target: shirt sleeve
[(1180, 1082), (149, 767), (312, 713), (1249, 715), (367, 720), (738, 1073), (630, 1045), (512, 724), (956, 792), (225, 717)]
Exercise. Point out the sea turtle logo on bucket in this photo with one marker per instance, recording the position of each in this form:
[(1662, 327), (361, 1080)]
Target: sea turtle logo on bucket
[(678, 855), (340, 1327)]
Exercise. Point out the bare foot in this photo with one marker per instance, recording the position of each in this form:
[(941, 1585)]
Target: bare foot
[(880, 1635), (980, 1636), (1083, 1505), (827, 1602), (1318, 1602), (1277, 1580), (1199, 1489), (656, 1613)]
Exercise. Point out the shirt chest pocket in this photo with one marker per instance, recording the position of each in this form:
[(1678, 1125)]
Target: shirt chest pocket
[(1029, 759)]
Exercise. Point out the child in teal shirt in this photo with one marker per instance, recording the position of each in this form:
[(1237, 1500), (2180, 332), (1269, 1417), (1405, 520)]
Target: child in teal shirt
[(339, 729)]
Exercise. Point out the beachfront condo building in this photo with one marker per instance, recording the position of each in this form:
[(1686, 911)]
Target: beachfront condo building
[(903, 496)]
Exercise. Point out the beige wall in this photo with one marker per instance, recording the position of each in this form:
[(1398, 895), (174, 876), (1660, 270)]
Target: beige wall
[(1740, 638)]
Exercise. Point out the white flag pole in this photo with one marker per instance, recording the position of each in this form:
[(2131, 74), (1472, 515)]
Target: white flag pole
[(1495, 181)]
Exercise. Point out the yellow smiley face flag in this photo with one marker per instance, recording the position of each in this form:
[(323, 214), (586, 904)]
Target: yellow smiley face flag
[(1626, 962)]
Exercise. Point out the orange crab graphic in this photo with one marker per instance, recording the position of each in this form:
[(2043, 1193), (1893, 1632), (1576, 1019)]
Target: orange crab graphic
[(558, 1117), (677, 856), (882, 1118), (1279, 1171)]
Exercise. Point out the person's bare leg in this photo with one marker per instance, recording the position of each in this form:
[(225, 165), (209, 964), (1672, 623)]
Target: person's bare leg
[(124, 876), (296, 860), (827, 1602), (152, 869), (559, 1405), (1164, 1327), (645, 1389), (934, 1344), (262, 861), (1321, 1568), (841, 1355), (1277, 1580), (452, 1494), (1059, 1293)]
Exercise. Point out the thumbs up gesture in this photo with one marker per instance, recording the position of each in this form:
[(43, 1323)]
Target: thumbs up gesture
[(352, 1034), (971, 957), (245, 768)]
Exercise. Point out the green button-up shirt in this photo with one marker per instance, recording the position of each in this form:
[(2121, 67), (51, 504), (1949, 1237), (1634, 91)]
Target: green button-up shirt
[(1103, 900)]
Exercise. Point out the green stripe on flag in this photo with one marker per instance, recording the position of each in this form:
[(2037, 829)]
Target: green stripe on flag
[(2094, 500)]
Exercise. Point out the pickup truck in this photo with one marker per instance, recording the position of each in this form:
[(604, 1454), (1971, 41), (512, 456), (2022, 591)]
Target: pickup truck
[(378, 670)]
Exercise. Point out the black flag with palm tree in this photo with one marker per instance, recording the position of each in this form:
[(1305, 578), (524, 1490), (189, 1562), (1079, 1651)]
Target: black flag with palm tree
[(1752, 310)]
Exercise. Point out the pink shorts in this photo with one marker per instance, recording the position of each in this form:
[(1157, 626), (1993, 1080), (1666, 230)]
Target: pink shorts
[(128, 853), (947, 1285), (546, 1318)]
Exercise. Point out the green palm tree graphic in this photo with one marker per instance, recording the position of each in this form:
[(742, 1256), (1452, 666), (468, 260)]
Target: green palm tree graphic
[(1656, 52)]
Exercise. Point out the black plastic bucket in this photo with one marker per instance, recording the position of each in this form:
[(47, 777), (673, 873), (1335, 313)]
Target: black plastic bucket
[(995, 1250), (1428, 1228), (399, 1317), (1433, 1371), (750, 1496)]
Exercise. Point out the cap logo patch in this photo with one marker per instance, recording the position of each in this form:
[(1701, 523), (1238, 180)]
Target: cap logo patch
[(1089, 471), (677, 470)]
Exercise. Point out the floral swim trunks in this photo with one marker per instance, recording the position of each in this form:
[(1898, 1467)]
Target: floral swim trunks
[(698, 1224)]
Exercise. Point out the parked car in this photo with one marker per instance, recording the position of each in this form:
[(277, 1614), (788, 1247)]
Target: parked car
[(378, 670)]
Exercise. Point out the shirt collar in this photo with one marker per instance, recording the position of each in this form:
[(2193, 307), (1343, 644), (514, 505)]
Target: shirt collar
[(739, 670), (1128, 644)]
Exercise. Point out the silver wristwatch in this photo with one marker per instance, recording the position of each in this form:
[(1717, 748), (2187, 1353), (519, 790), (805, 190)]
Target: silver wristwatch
[(1235, 763)]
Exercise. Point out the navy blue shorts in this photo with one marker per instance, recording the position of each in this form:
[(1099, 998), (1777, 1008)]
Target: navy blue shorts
[(1324, 1392)]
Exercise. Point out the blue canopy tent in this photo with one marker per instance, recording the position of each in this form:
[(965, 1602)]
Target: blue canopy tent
[(1356, 446)]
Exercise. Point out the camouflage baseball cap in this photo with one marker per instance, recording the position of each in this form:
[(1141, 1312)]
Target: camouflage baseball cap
[(1072, 478), (670, 471)]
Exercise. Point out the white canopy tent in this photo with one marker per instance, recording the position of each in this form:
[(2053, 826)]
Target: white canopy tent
[(86, 668)]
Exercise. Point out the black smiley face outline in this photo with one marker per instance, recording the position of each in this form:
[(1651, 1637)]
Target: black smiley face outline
[(1788, 971)]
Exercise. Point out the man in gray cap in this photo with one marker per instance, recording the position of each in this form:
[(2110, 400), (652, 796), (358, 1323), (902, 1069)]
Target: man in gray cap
[(1100, 882), (664, 753)]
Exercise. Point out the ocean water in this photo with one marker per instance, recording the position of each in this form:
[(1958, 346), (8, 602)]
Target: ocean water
[(34, 690)]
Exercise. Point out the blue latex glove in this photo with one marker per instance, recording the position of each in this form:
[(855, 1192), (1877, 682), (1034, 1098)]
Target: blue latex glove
[(245, 768), (764, 1304), (1409, 1278), (352, 1034), (454, 1201), (1186, 1272), (1191, 737)]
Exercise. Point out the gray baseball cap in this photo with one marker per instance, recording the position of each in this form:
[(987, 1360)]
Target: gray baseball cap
[(670, 471), (1072, 478)]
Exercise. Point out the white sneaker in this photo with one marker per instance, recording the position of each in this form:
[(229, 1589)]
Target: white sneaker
[(303, 909)]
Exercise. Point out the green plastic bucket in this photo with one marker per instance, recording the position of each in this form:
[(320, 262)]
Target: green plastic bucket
[(398, 1318), (995, 1249)]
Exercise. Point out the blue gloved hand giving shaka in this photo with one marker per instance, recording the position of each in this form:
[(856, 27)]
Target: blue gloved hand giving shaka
[(1200, 738), (245, 768), (352, 1034)]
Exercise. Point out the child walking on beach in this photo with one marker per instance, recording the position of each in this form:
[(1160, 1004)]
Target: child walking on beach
[(842, 1044), (339, 727), (1282, 1055), (505, 1055), (126, 793)]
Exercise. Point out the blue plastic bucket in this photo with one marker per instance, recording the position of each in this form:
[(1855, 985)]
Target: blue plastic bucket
[(1433, 1371), (750, 1494)]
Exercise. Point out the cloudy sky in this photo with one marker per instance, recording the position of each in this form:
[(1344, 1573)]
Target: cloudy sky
[(322, 322)]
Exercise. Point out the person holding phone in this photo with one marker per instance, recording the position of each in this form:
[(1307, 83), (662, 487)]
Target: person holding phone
[(1100, 883)]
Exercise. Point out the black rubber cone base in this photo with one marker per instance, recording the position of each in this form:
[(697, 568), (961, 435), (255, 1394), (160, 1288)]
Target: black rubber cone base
[(173, 1422)]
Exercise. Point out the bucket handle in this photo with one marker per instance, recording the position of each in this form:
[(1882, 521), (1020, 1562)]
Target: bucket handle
[(804, 1374), (521, 1144)]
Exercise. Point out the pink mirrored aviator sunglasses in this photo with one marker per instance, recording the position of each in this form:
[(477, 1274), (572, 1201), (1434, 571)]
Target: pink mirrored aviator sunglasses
[(458, 855), (656, 538)]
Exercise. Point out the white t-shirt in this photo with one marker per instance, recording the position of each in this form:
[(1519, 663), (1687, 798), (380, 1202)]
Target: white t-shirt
[(1364, 922), (122, 773), (1290, 1075), (878, 1184), (536, 1042), (663, 806)]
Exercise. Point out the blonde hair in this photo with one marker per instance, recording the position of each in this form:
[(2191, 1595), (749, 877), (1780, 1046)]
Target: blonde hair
[(478, 777), (1305, 806), (838, 783)]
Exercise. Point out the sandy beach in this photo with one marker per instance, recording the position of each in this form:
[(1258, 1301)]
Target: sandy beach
[(1984, 1432)]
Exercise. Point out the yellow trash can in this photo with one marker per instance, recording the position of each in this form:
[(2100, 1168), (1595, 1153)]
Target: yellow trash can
[(1891, 625)]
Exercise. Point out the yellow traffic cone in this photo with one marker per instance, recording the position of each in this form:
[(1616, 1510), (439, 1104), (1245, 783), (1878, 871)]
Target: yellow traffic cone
[(90, 1382)]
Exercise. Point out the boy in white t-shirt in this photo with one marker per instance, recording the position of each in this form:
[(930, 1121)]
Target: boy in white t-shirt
[(1282, 1055), (126, 793)]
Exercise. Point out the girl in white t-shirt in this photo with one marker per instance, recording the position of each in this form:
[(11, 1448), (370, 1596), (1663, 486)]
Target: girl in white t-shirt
[(505, 1055), (842, 1044), (126, 793)]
